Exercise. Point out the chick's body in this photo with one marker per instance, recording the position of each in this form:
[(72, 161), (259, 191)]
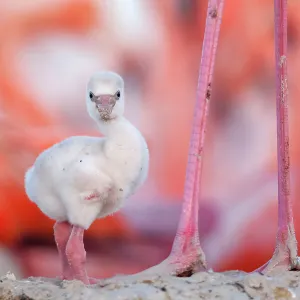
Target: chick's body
[(83, 178)]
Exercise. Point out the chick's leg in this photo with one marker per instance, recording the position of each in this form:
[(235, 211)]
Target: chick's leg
[(62, 232), (76, 254)]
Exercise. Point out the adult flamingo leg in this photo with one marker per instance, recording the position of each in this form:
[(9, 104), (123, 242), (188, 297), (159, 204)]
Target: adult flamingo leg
[(285, 254), (186, 255), (76, 254), (62, 232)]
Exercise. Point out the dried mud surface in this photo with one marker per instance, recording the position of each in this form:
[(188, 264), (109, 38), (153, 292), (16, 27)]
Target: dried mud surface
[(229, 285)]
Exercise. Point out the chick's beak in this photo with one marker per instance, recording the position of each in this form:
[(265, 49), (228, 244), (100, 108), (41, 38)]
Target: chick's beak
[(105, 104)]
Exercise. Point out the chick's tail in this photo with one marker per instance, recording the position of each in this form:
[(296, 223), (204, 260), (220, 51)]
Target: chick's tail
[(28, 182)]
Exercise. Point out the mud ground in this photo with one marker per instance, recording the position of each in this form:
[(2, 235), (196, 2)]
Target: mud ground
[(205, 285)]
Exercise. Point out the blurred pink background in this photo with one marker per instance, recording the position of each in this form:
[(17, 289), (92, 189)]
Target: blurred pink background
[(48, 51)]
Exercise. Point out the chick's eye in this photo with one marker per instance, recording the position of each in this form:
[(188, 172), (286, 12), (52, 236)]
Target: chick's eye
[(118, 94), (91, 95)]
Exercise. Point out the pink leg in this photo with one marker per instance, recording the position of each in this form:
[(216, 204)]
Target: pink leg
[(62, 231), (285, 255), (186, 255), (76, 254)]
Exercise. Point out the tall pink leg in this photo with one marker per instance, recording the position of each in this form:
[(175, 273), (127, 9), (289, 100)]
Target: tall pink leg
[(186, 255), (62, 232), (285, 255), (76, 254)]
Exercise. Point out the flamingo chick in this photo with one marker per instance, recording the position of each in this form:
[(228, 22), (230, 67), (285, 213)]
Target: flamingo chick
[(84, 178)]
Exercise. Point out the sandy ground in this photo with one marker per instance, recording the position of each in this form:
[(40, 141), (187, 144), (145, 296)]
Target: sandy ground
[(229, 285)]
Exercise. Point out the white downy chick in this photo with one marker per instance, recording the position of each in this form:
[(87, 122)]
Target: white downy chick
[(83, 178)]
